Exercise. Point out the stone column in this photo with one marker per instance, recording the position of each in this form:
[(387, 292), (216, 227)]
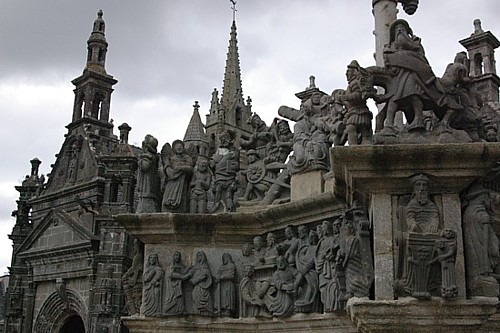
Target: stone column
[(452, 218), (382, 246), (384, 13)]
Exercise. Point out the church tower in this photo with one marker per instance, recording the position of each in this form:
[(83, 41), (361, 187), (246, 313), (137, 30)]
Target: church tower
[(230, 112), (94, 87), (69, 253), (481, 47)]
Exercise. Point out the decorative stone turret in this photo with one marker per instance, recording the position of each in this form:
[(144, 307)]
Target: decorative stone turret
[(481, 47), (94, 87)]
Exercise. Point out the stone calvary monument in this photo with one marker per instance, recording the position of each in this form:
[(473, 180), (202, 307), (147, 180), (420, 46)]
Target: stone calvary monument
[(315, 223)]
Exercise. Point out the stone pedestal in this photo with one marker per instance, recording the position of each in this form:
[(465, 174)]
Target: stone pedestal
[(307, 185)]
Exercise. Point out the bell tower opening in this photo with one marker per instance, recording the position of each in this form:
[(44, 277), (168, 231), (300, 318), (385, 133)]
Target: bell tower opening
[(73, 324)]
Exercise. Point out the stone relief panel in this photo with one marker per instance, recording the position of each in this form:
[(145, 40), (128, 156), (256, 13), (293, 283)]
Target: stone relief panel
[(426, 251), (277, 274)]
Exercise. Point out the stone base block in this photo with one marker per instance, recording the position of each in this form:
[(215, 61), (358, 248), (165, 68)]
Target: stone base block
[(330, 322), (307, 184), (411, 315)]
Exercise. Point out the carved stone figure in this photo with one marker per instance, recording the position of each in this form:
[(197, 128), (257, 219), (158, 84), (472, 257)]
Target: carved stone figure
[(178, 168), (226, 165), (290, 245), (480, 242), (307, 288), (284, 283), (201, 278), (446, 255), (356, 252), (132, 279), (258, 177), (225, 293), (421, 214), (310, 136), (148, 182), (358, 116), (271, 252), (260, 137), (326, 257), (259, 251), (280, 147), (174, 293), (253, 295), (200, 184), (153, 282)]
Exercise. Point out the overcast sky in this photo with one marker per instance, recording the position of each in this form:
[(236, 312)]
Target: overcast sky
[(166, 54)]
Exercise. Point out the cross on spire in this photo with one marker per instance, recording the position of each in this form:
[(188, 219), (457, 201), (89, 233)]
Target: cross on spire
[(233, 7)]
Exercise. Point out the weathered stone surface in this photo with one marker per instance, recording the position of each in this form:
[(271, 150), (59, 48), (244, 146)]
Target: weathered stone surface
[(307, 184), (409, 314)]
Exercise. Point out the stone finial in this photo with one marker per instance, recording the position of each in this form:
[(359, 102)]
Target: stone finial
[(35, 164), (196, 106), (124, 131), (477, 27), (249, 101), (312, 84)]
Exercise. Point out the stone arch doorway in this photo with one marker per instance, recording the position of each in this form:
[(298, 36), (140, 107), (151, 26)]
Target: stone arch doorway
[(73, 324), (62, 313)]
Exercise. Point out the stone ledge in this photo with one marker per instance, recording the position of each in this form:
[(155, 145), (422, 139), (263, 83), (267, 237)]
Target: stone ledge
[(330, 322), (411, 315)]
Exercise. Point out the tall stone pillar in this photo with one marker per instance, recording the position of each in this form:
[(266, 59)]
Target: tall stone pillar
[(384, 13)]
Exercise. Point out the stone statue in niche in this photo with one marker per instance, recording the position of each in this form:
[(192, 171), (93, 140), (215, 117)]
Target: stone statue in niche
[(200, 184), (132, 279), (330, 273), (153, 283), (421, 214), (481, 244), (356, 252), (174, 291), (253, 295), (426, 263), (225, 291), (310, 136), (201, 278), (226, 165), (148, 182), (306, 284), (178, 169), (358, 116), (283, 281)]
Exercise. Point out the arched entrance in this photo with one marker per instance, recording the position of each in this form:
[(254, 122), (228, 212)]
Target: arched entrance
[(73, 324)]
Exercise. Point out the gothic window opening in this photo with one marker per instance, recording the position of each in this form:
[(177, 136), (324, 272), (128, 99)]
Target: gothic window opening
[(478, 64), (238, 116), (116, 189)]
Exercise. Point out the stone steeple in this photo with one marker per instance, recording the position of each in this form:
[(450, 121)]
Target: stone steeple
[(94, 87), (195, 132), (481, 47), (231, 112)]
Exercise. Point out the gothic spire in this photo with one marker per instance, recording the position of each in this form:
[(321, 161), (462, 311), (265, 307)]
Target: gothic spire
[(232, 94), (97, 46)]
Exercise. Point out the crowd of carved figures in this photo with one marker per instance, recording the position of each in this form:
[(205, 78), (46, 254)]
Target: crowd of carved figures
[(182, 180), (313, 269)]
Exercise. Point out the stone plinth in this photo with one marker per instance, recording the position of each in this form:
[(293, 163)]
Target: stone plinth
[(412, 315), (307, 185), (381, 174), (331, 323)]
